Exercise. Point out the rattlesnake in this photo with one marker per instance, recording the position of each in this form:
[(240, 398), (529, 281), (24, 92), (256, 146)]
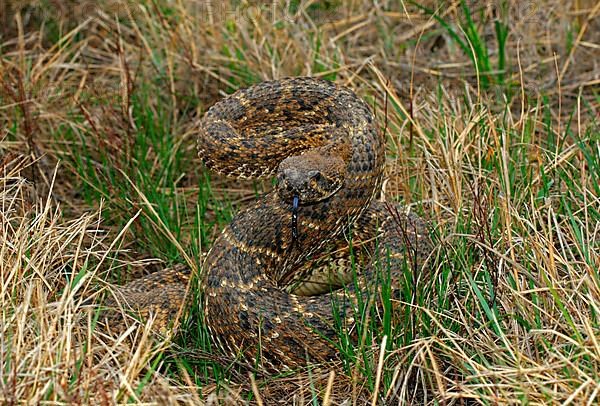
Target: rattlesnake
[(324, 146)]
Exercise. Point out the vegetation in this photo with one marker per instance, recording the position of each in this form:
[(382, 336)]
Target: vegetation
[(491, 111)]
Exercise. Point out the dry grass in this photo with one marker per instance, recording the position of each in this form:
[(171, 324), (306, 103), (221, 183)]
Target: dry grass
[(51, 270), (491, 110)]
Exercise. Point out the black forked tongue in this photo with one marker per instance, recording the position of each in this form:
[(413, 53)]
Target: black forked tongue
[(295, 204)]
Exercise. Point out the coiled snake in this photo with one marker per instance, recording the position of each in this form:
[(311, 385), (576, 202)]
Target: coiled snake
[(264, 301)]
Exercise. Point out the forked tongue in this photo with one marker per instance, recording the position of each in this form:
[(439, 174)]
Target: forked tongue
[(295, 204)]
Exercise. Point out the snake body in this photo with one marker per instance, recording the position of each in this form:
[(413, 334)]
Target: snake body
[(324, 146), (304, 124)]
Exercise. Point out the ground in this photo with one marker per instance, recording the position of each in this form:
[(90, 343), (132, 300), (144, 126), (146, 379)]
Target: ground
[(491, 111)]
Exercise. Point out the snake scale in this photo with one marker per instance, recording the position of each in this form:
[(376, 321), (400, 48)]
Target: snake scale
[(270, 282)]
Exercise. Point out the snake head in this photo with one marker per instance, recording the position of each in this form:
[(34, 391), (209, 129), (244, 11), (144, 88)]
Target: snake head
[(311, 177)]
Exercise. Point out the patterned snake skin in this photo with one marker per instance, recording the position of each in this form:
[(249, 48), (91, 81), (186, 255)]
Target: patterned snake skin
[(270, 279)]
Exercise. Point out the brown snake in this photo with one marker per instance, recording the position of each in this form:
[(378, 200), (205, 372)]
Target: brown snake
[(263, 301)]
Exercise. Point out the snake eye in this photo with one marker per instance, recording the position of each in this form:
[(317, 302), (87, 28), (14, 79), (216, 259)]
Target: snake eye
[(315, 175)]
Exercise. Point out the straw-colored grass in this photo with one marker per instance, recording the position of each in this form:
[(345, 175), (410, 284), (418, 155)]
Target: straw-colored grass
[(491, 111)]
